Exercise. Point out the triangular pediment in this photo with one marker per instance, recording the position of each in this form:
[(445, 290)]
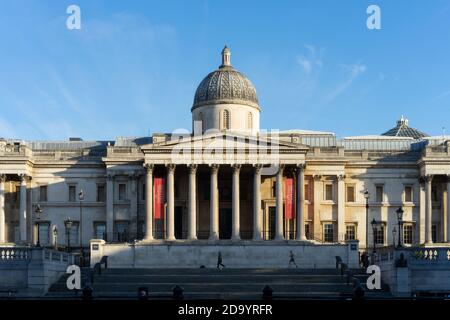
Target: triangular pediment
[(225, 140)]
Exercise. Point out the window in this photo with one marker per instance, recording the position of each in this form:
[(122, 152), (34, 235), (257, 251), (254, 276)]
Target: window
[(328, 232), (307, 231), (379, 235), (408, 194), (226, 119), (408, 234), (100, 230), (379, 193), (434, 233), (307, 193), (43, 230), (43, 193), (101, 194), (250, 121), (122, 191), (72, 233), (350, 232), (329, 192), (274, 189), (122, 231), (72, 193), (350, 193)]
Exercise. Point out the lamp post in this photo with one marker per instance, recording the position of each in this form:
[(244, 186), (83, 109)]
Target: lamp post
[(400, 224), (55, 236), (374, 224), (81, 198), (68, 223), (394, 232), (38, 211), (367, 196)]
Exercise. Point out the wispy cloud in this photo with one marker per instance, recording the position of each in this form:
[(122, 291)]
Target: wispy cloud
[(312, 60), (353, 72)]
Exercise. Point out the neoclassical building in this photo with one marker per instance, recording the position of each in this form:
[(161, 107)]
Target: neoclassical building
[(227, 180)]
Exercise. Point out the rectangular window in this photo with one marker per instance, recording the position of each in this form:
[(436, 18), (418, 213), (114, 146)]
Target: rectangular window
[(72, 193), (101, 193), (274, 189), (408, 194), (100, 230), (408, 234), (72, 233), (350, 193), (307, 231), (350, 232), (379, 194), (307, 193), (43, 194), (122, 191), (379, 235), (44, 233), (122, 231), (328, 232), (329, 192)]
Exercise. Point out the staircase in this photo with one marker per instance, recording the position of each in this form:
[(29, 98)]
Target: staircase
[(203, 283)]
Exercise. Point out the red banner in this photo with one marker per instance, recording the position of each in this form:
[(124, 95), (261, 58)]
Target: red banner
[(159, 195), (289, 198)]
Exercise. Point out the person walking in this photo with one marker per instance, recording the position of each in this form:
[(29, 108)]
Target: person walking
[(220, 265), (291, 259)]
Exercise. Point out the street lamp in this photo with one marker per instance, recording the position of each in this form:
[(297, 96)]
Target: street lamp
[(394, 232), (400, 224), (374, 224), (81, 198), (68, 223), (55, 236), (38, 211), (367, 196)]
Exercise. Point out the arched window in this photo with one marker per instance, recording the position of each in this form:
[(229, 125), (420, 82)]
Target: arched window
[(250, 121), (226, 119)]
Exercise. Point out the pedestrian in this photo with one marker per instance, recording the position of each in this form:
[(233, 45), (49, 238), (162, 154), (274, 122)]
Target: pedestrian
[(220, 265), (291, 259)]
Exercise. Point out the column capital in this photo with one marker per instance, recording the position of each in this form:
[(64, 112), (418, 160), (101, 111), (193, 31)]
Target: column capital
[(171, 167), (428, 177), (192, 168), (317, 177), (110, 176), (301, 166), (23, 177), (214, 168), (257, 167), (149, 167), (2, 177), (340, 177), (236, 167)]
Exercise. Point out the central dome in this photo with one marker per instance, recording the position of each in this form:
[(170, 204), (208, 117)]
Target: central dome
[(226, 101), (225, 85)]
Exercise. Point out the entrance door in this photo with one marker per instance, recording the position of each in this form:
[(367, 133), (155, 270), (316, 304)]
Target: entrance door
[(272, 214), (225, 223), (179, 222)]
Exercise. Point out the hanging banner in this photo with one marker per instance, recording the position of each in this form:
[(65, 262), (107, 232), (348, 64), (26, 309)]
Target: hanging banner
[(289, 198), (159, 195)]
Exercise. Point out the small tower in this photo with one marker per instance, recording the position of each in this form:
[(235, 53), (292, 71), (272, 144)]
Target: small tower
[(226, 57)]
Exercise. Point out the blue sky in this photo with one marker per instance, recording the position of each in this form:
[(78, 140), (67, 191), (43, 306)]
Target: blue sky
[(134, 66)]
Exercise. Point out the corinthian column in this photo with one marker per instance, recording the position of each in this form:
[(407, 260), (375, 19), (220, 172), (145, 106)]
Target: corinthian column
[(110, 208), (2, 209), (23, 208), (301, 202), (214, 204), (428, 210), (170, 202), (341, 208), (235, 235), (279, 205), (257, 203), (149, 201), (192, 228)]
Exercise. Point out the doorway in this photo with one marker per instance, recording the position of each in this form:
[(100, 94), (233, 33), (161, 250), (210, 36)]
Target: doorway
[(179, 222), (272, 215), (225, 223)]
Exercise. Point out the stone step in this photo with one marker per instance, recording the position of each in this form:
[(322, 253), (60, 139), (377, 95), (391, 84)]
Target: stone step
[(203, 271)]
